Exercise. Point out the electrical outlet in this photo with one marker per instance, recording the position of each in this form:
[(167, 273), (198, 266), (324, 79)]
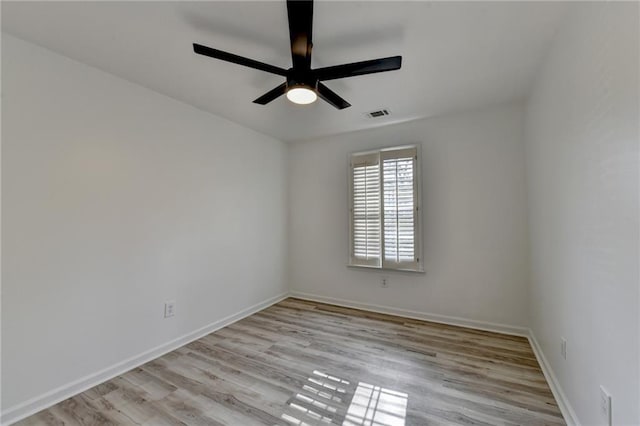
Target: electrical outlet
[(605, 406), (563, 347), (169, 308), (384, 282)]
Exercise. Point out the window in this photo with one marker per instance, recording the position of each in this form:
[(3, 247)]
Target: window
[(385, 209)]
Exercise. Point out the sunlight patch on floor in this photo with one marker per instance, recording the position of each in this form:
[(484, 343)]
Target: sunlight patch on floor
[(371, 405), (376, 406)]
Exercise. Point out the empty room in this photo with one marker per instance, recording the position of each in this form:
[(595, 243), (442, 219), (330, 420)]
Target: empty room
[(306, 213)]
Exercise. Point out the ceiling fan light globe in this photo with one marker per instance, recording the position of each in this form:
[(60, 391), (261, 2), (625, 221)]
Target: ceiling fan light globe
[(301, 95)]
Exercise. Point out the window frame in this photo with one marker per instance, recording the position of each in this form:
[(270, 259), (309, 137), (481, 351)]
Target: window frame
[(388, 153)]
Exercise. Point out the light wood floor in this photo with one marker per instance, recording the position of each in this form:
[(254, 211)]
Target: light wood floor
[(306, 363)]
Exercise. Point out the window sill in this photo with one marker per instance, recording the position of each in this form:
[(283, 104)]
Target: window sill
[(377, 268)]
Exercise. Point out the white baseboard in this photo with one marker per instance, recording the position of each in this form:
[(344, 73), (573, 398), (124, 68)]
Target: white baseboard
[(63, 392), (443, 319), (563, 402)]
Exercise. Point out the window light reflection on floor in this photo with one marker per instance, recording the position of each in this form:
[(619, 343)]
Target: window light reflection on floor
[(370, 406), (376, 406)]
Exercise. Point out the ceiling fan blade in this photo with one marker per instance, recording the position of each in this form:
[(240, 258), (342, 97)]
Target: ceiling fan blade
[(300, 14), (240, 60), (359, 68), (271, 95), (331, 97)]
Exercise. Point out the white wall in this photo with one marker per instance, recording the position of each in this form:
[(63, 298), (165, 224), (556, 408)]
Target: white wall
[(474, 223), (115, 199), (582, 162)]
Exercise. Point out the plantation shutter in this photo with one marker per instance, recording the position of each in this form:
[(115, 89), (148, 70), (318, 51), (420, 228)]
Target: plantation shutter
[(365, 210), (384, 209), (400, 208)]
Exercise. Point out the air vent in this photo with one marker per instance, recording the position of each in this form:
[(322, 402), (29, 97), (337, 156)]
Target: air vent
[(379, 113)]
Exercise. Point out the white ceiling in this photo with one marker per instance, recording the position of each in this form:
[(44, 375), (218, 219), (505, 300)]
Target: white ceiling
[(456, 55)]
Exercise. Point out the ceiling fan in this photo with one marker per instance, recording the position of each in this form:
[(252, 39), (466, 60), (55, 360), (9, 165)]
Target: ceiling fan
[(303, 84)]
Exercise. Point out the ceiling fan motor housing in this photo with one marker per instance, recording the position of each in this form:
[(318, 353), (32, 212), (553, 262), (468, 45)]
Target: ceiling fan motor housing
[(298, 79)]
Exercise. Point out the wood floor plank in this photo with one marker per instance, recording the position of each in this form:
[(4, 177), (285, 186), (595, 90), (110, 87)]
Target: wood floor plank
[(306, 363)]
